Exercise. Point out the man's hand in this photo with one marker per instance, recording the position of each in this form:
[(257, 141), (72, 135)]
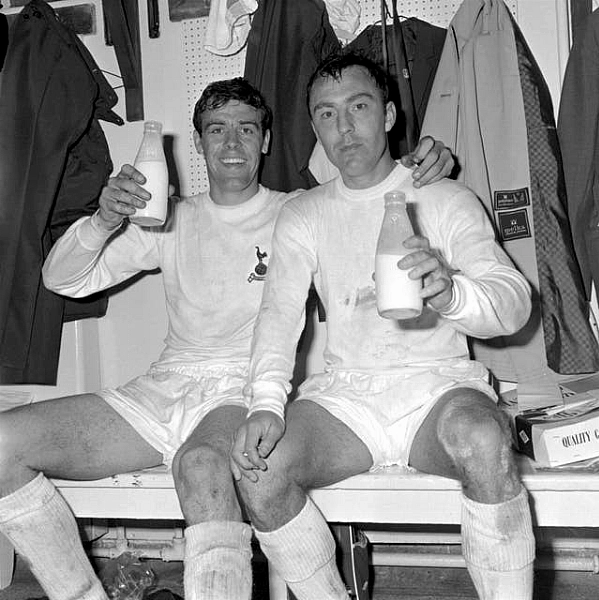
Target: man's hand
[(254, 441), (437, 282), (432, 160), (121, 197)]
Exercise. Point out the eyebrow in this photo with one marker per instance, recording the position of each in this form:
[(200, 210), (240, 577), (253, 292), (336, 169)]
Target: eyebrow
[(224, 122), (351, 98)]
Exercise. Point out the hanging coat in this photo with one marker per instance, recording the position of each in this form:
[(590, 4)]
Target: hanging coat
[(578, 130), (490, 104), (286, 43), (54, 160)]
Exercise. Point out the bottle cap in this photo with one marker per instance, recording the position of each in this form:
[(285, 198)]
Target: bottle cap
[(153, 126), (395, 197)]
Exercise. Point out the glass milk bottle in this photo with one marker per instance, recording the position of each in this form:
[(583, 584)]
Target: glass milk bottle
[(397, 296), (151, 162)]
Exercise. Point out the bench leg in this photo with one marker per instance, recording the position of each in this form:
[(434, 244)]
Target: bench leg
[(7, 562), (354, 562)]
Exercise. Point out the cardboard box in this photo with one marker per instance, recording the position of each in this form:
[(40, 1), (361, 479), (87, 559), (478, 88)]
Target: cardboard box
[(559, 434)]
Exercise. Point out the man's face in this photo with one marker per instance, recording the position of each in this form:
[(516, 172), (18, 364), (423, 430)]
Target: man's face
[(232, 143), (351, 121)]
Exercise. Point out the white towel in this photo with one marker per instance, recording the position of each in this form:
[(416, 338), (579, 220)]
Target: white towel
[(229, 24), (344, 17)]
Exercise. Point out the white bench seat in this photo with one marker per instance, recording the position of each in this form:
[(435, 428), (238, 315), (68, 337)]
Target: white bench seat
[(391, 496)]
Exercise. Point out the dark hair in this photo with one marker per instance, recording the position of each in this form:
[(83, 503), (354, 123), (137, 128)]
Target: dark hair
[(334, 65), (218, 93)]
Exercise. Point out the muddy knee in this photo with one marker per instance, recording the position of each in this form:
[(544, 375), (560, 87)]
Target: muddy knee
[(473, 430), (199, 464)]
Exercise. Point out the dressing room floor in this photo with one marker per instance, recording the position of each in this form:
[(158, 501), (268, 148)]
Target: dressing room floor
[(390, 583)]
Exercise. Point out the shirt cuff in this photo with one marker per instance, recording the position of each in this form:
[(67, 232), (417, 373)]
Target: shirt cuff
[(267, 395), (92, 235), (455, 304), (100, 225)]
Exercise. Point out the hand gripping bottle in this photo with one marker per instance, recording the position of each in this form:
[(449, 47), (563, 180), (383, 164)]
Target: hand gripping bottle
[(150, 161), (397, 296)]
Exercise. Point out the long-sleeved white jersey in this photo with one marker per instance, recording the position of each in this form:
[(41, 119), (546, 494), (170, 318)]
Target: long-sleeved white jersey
[(213, 260), (329, 235)]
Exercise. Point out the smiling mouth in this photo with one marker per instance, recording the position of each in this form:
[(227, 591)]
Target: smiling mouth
[(234, 161)]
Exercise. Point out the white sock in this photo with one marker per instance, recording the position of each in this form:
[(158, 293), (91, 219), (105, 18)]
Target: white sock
[(43, 530), (218, 561), (499, 547), (303, 554)]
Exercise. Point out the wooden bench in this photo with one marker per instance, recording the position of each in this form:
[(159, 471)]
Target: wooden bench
[(392, 496)]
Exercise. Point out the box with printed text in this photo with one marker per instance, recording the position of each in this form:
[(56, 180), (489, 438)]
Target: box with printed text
[(563, 433)]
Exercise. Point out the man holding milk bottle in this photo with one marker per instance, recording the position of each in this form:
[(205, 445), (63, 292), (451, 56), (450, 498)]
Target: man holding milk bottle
[(399, 390), (213, 252)]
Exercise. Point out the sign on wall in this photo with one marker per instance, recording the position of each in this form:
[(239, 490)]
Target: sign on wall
[(187, 9)]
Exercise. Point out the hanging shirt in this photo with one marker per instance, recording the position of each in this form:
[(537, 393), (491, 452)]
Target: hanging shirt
[(228, 25), (344, 16), (213, 260)]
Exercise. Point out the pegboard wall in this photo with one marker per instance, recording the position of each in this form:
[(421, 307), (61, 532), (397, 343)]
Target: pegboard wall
[(202, 67)]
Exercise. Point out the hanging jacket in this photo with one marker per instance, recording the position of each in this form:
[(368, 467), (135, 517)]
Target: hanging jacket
[(286, 43), (578, 130), (54, 160), (490, 104)]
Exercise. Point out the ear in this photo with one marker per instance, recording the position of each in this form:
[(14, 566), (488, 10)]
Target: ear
[(314, 130), (266, 141), (197, 140), (390, 116)]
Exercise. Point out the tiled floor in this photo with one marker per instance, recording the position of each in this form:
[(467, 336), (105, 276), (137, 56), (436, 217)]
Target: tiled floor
[(390, 583)]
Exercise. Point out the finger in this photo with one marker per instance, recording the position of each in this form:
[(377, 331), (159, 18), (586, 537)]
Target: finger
[(130, 172), (428, 170), (269, 441), (434, 287), (250, 474), (417, 241), (423, 268), (119, 203), (235, 470), (414, 259), (422, 150), (448, 162), (129, 186), (410, 161), (251, 451), (238, 453), (438, 164)]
